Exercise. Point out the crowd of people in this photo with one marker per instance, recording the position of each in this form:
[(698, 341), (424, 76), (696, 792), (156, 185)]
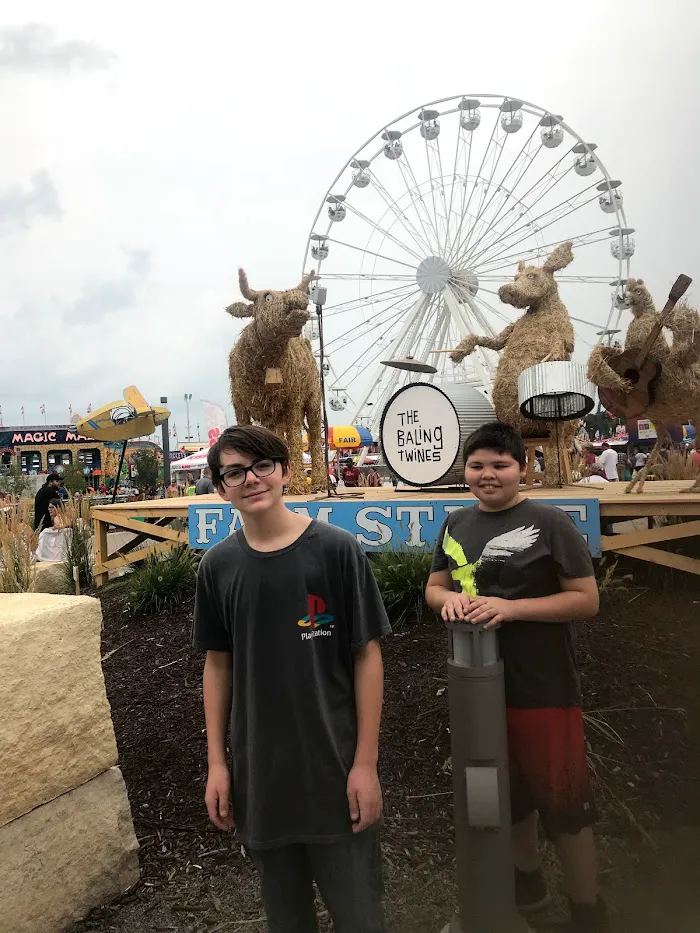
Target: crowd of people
[(612, 466)]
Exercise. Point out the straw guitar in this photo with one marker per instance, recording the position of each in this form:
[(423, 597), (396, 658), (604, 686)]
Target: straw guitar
[(637, 368)]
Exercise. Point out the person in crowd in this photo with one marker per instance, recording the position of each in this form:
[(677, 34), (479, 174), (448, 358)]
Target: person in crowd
[(608, 462), (640, 459), (520, 565), (204, 485), (593, 475), (190, 487), (44, 495), (589, 457), (173, 491), (373, 477), (289, 613), (350, 474), (63, 492), (57, 512)]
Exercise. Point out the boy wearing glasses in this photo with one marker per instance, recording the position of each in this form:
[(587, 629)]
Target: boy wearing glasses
[(290, 616)]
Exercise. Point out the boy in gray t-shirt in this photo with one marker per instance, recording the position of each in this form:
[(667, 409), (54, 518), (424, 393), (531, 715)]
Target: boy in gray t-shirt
[(522, 565), (290, 616)]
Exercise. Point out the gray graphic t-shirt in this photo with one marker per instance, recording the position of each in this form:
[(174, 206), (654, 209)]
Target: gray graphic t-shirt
[(291, 619), (521, 553)]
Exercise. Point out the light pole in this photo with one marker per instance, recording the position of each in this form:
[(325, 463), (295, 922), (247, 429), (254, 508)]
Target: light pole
[(318, 296), (165, 432), (188, 399)]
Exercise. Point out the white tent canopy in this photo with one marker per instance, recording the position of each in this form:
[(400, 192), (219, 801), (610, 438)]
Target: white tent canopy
[(194, 462), (199, 460)]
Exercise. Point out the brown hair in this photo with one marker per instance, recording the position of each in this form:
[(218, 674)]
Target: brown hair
[(255, 442), (498, 436)]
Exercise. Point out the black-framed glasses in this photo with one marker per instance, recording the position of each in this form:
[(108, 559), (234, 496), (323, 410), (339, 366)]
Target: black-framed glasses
[(236, 476)]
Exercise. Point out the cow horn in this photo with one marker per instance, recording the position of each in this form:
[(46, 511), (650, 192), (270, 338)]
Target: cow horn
[(307, 280), (246, 290)]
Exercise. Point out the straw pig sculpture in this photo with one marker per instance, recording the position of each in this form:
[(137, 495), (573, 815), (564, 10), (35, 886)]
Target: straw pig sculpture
[(273, 341), (676, 393), (543, 333)]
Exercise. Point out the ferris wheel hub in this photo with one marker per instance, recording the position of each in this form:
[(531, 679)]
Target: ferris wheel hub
[(432, 275)]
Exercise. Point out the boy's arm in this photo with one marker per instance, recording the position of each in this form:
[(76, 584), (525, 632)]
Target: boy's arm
[(363, 790), (217, 688), (578, 600)]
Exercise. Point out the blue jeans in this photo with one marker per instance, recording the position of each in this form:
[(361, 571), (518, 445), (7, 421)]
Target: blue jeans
[(348, 875)]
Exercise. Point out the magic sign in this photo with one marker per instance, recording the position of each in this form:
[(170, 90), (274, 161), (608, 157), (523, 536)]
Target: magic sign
[(54, 436)]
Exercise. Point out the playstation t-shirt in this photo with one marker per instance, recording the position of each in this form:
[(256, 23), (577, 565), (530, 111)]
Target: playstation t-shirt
[(292, 619), (520, 553)]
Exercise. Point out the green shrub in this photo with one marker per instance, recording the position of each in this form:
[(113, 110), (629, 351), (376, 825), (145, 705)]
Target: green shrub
[(146, 466), (76, 517), (15, 483), (74, 479), (402, 576), (163, 581)]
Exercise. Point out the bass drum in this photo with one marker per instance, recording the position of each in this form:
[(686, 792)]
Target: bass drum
[(424, 427)]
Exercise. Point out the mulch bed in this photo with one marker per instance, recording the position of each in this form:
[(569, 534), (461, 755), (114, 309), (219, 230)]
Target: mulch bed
[(639, 662)]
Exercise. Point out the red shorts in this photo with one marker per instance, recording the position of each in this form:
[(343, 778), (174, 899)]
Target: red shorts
[(548, 769)]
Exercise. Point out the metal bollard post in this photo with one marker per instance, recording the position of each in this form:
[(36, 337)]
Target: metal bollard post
[(486, 894)]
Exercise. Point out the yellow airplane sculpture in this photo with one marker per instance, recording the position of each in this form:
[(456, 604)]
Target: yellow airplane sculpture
[(124, 420)]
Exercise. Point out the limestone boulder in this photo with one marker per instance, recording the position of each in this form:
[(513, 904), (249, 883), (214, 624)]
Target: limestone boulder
[(55, 724), (50, 577), (67, 857)]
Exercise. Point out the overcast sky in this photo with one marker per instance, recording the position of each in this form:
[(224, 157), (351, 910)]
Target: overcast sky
[(148, 152)]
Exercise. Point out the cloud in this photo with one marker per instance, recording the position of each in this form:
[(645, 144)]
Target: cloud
[(32, 47), (18, 207), (103, 296)]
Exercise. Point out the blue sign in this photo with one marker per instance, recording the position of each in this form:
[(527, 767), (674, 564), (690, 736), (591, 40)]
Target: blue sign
[(395, 523)]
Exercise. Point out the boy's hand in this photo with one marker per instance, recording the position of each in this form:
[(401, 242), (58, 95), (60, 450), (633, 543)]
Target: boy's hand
[(491, 610), (217, 798), (455, 607), (364, 797)]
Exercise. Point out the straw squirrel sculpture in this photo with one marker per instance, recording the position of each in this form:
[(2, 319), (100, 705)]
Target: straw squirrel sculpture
[(542, 334), (676, 392), (274, 377)]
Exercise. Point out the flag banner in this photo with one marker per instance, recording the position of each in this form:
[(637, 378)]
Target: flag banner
[(214, 419)]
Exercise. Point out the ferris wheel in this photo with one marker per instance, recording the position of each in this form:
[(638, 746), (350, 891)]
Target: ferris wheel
[(432, 214)]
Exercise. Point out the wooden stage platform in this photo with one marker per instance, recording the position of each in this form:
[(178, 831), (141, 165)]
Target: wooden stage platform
[(151, 520)]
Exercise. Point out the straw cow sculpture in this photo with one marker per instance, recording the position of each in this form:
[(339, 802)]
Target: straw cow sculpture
[(542, 334), (676, 392), (274, 377)]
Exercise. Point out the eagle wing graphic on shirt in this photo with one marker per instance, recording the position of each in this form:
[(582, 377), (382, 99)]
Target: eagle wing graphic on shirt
[(464, 572), (472, 577), (510, 542)]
